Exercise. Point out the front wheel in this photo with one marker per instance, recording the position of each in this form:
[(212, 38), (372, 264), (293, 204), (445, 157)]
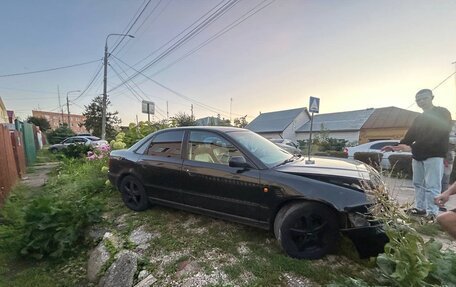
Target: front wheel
[(307, 230), (133, 194)]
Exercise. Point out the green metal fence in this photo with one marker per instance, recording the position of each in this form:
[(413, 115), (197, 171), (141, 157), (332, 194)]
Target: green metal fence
[(29, 140)]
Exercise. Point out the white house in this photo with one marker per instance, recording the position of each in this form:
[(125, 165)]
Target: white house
[(279, 124)]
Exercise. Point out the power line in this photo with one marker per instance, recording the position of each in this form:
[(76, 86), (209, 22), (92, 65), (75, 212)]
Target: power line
[(48, 70), (97, 73), (195, 31), (207, 107), (144, 21), (226, 29), (444, 80), (131, 26)]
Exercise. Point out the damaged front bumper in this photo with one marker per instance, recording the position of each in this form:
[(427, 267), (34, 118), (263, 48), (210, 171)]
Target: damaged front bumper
[(367, 234)]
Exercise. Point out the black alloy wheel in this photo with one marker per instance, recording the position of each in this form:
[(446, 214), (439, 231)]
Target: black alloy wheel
[(307, 230), (133, 194)]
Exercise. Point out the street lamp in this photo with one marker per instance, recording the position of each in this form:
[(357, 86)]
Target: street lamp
[(105, 80), (68, 105)]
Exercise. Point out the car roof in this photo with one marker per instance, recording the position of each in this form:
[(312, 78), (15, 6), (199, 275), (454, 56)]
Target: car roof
[(223, 129)]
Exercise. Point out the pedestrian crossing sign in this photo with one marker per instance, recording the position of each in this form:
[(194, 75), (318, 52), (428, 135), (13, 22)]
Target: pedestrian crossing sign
[(314, 105)]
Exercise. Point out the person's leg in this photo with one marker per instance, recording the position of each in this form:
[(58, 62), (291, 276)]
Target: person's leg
[(447, 221), (433, 172), (418, 183)]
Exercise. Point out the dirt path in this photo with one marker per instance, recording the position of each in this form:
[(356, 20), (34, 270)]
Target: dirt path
[(39, 174)]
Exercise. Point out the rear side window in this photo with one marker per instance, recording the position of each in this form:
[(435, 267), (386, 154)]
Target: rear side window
[(166, 144)]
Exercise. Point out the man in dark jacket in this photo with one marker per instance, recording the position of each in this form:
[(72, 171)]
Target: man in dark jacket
[(428, 139)]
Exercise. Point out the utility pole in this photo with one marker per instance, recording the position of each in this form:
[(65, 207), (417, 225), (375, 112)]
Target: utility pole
[(68, 105), (231, 104), (60, 105), (191, 109), (167, 113), (105, 84), (68, 110)]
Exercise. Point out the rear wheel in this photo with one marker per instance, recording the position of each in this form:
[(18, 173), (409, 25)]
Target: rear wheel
[(307, 230), (133, 194)]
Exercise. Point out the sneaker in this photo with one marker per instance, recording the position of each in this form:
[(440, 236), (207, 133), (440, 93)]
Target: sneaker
[(416, 211), (443, 209)]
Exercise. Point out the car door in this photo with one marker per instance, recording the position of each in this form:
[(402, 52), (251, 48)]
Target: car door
[(210, 183), (161, 164)]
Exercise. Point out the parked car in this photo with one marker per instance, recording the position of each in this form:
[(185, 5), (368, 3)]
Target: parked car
[(376, 146), (287, 145), (238, 175), (87, 140)]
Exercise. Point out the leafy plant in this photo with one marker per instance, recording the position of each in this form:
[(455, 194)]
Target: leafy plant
[(53, 225), (408, 259), (76, 150)]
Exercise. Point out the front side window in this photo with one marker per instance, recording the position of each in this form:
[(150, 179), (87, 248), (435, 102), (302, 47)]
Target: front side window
[(167, 144), (210, 147), (263, 149)]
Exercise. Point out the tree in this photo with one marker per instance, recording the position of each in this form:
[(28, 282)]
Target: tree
[(59, 134), (39, 122), (240, 122), (183, 120), (93, 116)]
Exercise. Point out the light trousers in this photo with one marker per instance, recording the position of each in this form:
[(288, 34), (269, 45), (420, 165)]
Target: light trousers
[(427, 180)]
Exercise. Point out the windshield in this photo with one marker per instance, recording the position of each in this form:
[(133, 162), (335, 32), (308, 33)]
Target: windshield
[(267, 152)]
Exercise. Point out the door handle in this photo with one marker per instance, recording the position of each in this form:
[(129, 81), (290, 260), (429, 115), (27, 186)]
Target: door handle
[(189, 172)]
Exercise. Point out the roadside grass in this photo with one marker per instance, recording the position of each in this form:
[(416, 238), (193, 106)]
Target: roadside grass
[(233, 254), (45, 156)]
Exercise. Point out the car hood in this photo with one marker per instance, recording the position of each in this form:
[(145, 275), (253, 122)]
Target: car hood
[(327, 166)]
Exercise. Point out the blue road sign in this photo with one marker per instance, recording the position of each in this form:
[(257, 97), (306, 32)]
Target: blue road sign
[(314, 105)]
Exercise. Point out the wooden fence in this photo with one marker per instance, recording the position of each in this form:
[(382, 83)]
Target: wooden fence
[(8, 167)]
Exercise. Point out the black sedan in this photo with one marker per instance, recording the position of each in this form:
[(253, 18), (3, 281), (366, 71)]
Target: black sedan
[(238, 175)]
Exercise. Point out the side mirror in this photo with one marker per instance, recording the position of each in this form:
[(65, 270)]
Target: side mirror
[(238, 161)]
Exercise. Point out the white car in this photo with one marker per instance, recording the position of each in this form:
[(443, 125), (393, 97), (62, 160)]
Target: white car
[(86, 140), (376, 146)]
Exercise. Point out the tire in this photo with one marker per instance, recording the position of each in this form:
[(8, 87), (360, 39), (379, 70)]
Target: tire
[(53, 150), (307, 230), (133, 194)]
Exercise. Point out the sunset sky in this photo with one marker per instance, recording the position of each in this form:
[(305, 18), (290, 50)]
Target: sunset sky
[(351, 54)]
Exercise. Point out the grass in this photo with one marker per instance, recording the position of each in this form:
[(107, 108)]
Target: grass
[(243, 255)]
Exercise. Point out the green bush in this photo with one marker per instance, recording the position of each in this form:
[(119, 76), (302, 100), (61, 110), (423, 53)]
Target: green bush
[(371, 158), (401, 165), (53, 224), (77, 150), (59, 134), (50, 222)]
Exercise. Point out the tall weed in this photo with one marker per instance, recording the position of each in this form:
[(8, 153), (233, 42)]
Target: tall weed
[(408, 259), (50, 221)]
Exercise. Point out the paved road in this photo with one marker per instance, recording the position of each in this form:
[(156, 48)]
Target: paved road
[(403, 191)]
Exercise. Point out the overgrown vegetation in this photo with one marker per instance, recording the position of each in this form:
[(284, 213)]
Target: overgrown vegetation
[(409, 260), (59, 134), (49, 222), (371, 158)]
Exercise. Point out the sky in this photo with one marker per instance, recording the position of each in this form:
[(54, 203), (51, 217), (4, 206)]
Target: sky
[(351, 54)]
